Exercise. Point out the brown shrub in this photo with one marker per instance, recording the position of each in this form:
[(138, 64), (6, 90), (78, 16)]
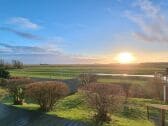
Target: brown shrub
[(46, 93), (16, 77), (103, 98), (87, 78), (3, 82), (126, 87), (155, 87), (139, 91)]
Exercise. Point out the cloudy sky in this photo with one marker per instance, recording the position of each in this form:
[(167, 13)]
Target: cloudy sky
[(83, 31)]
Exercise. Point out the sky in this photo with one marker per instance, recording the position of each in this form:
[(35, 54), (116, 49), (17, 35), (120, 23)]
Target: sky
[(83, 31)]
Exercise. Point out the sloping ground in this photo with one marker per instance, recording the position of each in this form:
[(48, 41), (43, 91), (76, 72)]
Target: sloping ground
[(11, 116), (71, 83)]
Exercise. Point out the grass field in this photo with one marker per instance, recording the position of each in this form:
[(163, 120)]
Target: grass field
[(74, 108), (71, 71)]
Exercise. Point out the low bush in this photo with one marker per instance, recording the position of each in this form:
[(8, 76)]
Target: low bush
[(46, 93), (126, 87), (87, 78), (16, 89), (3, 82), (4, 73), (103, 98)]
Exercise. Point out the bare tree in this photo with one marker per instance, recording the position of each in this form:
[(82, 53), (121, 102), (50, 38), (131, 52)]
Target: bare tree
[(156, 87), (2, 63), (103, 98), (47, 93), (7, 65), (127, 90), (17, 64), (87, 78), (139, 91)]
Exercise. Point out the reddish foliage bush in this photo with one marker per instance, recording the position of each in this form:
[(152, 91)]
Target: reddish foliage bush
[(46, 93), (126, 87), (103, 98), (87, 78)]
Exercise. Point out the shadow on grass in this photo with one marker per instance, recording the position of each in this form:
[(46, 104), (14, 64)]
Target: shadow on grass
[(133, 113), (12, 116)]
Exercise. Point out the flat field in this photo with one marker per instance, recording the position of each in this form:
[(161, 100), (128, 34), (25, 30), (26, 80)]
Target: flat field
[(73, 107), (71, 71)]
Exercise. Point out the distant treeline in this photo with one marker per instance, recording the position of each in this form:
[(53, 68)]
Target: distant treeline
[(15, 64)]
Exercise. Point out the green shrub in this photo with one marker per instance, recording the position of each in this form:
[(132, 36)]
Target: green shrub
[(4, 73), (16, 88)]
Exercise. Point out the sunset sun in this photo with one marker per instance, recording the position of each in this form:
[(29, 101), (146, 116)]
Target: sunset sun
[(125, 58)]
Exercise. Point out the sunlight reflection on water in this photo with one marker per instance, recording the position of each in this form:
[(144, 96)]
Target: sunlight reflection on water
[(128, 75)]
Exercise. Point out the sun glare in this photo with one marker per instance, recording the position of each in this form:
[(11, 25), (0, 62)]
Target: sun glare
[(125, 58)]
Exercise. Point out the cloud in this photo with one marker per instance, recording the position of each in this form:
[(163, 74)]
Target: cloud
[(35, 54), (23, 22), (31, 36), (26, 49), (148, 7), (22, 34), (153, 25), (48, 59)]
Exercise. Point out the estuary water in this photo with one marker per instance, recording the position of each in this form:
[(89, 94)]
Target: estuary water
[(127, 75)]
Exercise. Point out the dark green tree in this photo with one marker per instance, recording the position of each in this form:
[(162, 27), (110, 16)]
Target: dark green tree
[(4, 73)]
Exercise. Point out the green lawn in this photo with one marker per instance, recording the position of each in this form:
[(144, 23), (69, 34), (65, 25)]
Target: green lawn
[(71, 71), (118, 81), (73, 107)]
